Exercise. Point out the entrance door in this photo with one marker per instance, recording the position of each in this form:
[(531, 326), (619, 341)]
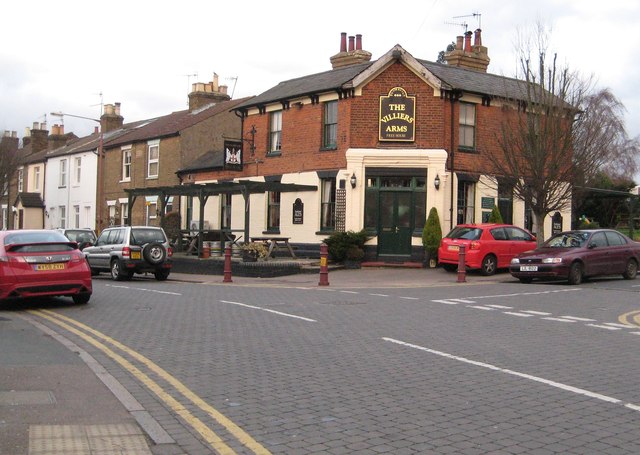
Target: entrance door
[(394, 232)]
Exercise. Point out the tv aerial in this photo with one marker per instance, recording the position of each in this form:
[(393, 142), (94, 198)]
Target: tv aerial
[(464, 24)]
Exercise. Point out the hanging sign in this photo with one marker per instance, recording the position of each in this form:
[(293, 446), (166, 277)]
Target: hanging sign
[(397, 116), (232, 155)]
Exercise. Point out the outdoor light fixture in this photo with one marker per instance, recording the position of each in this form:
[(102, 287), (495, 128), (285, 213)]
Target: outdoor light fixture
[(436, 182), (352, 180)]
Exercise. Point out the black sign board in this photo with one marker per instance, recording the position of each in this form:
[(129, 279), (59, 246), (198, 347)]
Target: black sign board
[(233, 155), (556, 223), (487, 202), (298, 212), (397, 116)]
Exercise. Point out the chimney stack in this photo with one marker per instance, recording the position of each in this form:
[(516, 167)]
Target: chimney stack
[(204, 94), (111, 119), (474, 57), (354, 55)]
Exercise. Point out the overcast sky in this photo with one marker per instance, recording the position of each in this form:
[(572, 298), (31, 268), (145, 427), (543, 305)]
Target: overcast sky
[(60, 56)]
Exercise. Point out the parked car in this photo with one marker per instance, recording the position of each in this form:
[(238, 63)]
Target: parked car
[(575, 255), (126, 250), (84, 237), (488, 247), (37, 263)]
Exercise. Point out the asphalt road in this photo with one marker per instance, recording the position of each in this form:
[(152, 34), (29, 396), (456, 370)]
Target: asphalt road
[(494, 367)]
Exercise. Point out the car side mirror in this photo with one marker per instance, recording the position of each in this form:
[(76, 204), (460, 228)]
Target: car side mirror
[(592, 245)]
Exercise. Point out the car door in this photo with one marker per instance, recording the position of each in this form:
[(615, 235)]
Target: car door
[(96, 254), (501, 246), (619, 251), (597, 257), (520, 240)]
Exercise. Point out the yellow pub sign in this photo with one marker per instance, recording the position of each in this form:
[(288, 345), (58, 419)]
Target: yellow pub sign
[(397, 116)]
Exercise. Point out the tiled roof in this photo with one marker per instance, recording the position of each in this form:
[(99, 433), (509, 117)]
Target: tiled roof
[(210, 160), (31, 200), (171, 124)]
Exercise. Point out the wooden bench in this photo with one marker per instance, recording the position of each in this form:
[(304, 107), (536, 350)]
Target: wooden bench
[(274, 243)]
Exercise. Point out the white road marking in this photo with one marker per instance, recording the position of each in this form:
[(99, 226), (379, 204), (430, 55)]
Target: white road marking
[(143, 289), (538, 313), (380, 295), (269, 311), (446, 302), (350, 292), (548, 382), (634, 333), (523, 315), (409, 298), (480, 307), (558, 319), (575, 318), (518, 294), (501, 307), (622, 326), (607, 327)]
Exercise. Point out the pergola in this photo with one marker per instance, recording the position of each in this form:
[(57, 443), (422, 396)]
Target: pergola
[(204, 191)]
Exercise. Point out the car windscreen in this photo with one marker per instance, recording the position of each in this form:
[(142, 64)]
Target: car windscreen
[(144, 236), (466, 233), (567, 240), (80, 236)]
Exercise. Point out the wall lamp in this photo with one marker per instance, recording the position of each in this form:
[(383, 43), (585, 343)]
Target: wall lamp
[(353, 180), (436, 182)]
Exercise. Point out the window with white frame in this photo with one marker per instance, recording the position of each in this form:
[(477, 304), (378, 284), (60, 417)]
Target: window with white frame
[(20, 180), (63, 174), (275, 132), (467, 125), (126, 164), (330, 125), (76, 215), (63, 216), (77, 169), (153, 159), (36, 178), (124, 214), (328, 204)]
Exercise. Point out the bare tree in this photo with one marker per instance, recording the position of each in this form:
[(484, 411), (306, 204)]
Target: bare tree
[(8, 166), (558, 134)]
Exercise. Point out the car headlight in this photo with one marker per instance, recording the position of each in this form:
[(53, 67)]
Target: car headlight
[(515, 261), (552, 260)]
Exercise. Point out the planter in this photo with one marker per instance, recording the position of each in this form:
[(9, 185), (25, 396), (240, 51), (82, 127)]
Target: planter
[(249, 256)]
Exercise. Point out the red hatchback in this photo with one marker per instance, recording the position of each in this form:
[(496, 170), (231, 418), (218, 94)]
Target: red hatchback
[(37, 263), (488, 247)]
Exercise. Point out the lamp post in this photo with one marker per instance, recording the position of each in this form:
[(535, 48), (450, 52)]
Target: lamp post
[(100, 166)]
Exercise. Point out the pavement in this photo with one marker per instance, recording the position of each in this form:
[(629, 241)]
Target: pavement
[(57, 399)]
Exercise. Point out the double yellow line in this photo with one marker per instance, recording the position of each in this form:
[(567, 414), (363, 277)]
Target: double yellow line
[(93, 337), (632, 318)]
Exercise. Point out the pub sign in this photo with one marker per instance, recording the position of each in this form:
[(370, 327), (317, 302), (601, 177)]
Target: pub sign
[(397, 116), (233, 155), (298, 212)]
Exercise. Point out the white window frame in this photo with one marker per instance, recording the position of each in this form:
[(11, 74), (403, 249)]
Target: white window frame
[(62, 183), (76, 215), (63, 216), (20, 180), (126, 164), (36, 178), (275, 132), (153, 145), (77, 172)]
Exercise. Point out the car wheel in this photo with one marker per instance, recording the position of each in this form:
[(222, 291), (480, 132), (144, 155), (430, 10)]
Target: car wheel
[(154, 253), (161, 275), (450, 267), (575, 273), (631, 270), (81, 299), (489, 265), (117, 274), (525, 280)]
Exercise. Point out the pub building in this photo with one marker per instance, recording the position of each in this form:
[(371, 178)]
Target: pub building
[(381, 141)]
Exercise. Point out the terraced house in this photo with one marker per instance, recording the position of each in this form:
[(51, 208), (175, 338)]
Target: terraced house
[(382, 141)]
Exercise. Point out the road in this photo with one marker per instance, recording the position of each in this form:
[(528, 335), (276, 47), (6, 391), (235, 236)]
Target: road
[(497, 367)]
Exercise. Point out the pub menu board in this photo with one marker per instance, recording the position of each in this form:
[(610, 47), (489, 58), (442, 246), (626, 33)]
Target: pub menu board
[(298, 212)]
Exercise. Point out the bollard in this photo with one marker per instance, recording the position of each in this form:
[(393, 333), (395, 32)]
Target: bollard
[(227, 265), (462, 269), (324, 268)]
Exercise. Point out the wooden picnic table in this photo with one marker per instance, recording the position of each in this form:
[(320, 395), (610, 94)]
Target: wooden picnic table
[(274, 243)]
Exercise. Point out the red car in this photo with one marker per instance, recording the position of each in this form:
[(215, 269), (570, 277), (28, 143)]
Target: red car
[(488, 247), (37, 263), (574, 255)]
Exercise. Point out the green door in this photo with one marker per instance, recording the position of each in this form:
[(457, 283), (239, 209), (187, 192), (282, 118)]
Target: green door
[(394, 225)]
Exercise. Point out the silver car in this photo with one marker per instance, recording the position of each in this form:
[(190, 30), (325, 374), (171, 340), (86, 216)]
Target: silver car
[(126, 250)]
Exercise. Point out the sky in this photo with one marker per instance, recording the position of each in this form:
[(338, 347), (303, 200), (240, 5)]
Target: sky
[(72, 56)]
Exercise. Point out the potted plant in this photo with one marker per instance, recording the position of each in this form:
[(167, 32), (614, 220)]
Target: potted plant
[(253, 251), (431, 237)]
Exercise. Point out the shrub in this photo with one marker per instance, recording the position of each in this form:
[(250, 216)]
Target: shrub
[(171, 225), (343, 244), (432, 233), (495, 216)]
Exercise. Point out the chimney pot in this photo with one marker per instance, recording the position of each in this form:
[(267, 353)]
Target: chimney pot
[(117, 110), (467, 41), (351, 41), (96, 130), (343, 42), (478, 38), (35, 126), (359, 42), (459, 40)]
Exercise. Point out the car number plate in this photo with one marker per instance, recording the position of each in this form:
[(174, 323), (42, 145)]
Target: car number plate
[(454, 248), (135, 255), (58, 266), (528, 268)]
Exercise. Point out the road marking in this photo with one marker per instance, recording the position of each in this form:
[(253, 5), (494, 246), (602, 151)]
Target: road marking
[(575, 318), (350, 292), (501, 307), (380, 295), (537, 313), (143, 289), (211, 437), (446, 302), (631, 319), (480, 307), (558, 319), (523, 315), (548, 382), (253, 307), (409, 298), (607, 327), (518, 294), (622, 326)]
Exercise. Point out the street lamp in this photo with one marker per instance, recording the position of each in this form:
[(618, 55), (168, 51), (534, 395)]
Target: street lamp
[(99, 169)]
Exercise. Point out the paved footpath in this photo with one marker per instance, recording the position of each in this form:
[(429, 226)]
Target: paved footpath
[(57, 399)]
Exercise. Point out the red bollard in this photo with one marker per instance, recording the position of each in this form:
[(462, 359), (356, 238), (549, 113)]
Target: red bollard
[(462, 269), (324, 268), (227, 265)]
